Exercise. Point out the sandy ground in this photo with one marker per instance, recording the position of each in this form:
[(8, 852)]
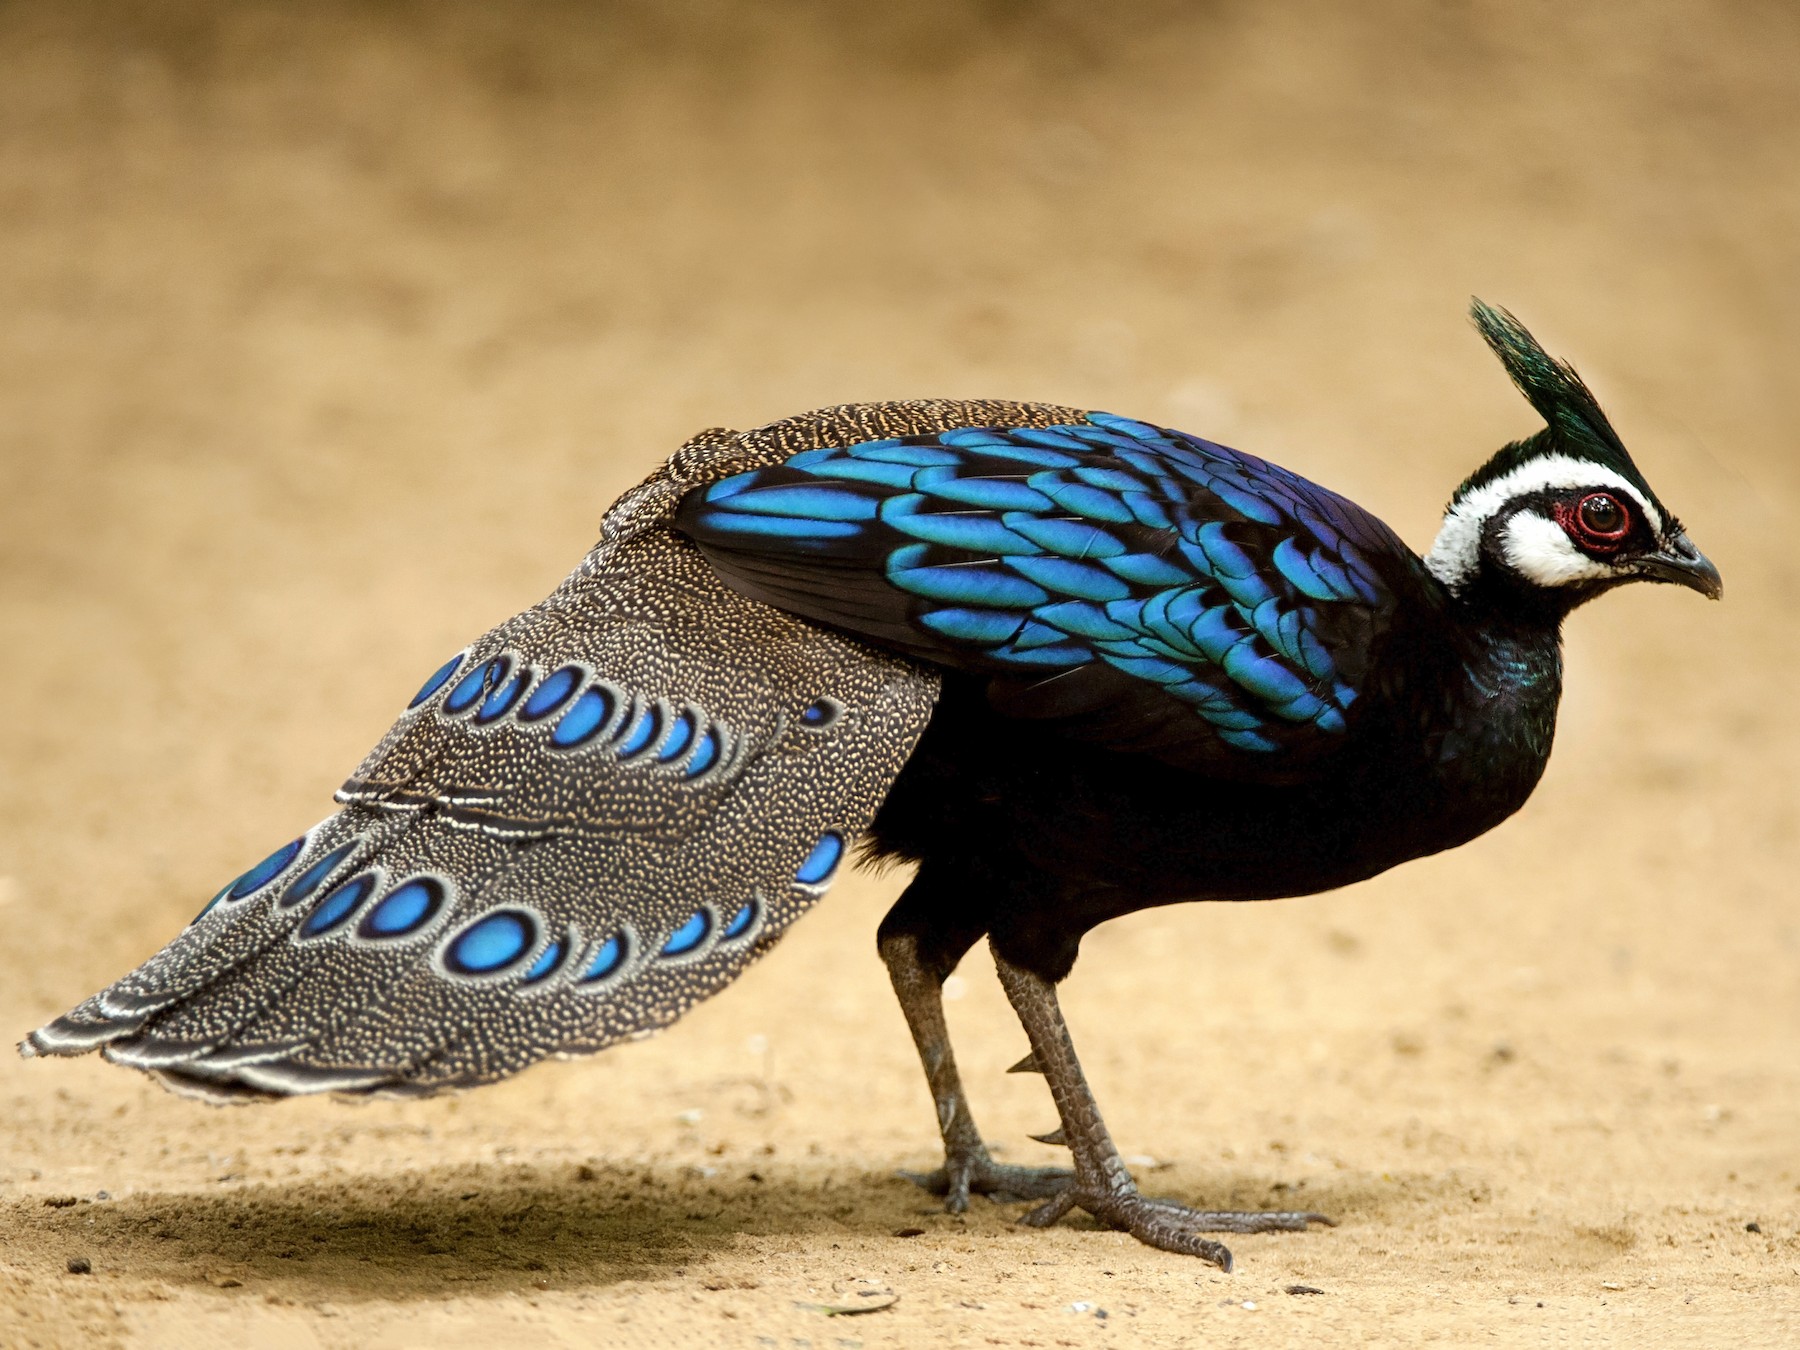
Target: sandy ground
[(326, 333)]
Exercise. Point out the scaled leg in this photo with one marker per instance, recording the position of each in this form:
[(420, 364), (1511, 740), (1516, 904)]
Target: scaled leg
[(1102, 1185), (921, 945)]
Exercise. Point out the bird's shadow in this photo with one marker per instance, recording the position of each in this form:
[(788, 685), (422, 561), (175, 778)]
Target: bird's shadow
[(496, 1227)]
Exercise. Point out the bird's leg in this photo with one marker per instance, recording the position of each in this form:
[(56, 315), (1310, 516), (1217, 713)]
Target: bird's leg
[(967, 1164), (1102, 1185)]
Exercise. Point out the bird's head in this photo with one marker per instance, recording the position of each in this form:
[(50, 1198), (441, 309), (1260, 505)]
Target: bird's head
[(1558, 518)]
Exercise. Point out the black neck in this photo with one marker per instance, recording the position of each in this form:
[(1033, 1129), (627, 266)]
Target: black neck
[(1498, 727), (1496, 600)]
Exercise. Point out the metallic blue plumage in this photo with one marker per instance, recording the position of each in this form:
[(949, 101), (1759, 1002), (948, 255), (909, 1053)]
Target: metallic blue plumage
[(1064, 576), (784, 527), (976, 534), (803, 502), (961, 584), (1233, 586), (995, 494), (982, 627)]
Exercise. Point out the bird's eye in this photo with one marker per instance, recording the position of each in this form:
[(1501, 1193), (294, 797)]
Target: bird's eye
[(1602, 514), (820, 713)]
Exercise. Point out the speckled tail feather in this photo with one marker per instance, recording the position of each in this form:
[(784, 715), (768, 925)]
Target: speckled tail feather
[(589, 820)]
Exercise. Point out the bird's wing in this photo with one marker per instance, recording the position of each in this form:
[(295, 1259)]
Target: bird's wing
[(595, 816), (1140, 587)]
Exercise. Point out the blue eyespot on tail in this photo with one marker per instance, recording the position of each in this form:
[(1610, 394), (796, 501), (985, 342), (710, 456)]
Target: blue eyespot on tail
[(821, 713), (476, 683), (822, 861), (643, 733), (555, 691), (404, 910), (740, 922), (211, 904), (500, 702), (313, 877), (492, 943), (681, 732), (689, 936), (579, 725), (338, 905), (606, 961), (705, 754), (546, 965), (265, 871), (438, 680)]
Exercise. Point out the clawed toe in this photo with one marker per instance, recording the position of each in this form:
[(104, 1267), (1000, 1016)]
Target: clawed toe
[(1168, 1225), (1239, 1221), (1003, 1183)]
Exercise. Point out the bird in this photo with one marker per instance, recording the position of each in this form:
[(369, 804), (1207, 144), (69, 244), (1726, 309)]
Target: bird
[(1068, 665)]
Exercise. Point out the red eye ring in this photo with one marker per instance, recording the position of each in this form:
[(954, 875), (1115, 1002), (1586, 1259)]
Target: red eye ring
[(1601, 519)]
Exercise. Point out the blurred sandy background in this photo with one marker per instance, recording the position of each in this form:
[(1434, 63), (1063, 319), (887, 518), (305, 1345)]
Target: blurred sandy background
[(328, 331)]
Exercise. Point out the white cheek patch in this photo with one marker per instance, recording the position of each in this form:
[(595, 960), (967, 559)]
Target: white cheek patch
[(1539, 550), (1456, 555)]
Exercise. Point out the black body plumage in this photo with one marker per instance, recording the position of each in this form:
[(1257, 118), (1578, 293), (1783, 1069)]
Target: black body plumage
[(1070, 664)]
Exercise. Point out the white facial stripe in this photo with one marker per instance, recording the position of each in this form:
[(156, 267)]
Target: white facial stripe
[(1540, 551), (1456, 552)]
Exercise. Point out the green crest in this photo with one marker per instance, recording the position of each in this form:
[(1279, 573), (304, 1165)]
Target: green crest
[(1575, 425)]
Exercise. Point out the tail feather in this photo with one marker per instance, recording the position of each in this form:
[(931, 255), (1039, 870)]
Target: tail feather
[(602, 812)]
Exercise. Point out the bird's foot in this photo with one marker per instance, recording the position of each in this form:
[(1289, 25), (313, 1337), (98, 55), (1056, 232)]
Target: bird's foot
[(976, 1173), (1169, 1226)]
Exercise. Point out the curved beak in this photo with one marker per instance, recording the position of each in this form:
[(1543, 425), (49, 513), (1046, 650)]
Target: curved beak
[(1680, 562)]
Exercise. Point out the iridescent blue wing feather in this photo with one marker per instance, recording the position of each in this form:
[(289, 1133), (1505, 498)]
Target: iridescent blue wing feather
[(1151, 590)]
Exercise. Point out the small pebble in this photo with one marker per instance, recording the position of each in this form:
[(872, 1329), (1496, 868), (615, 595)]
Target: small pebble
[(80, 1265), (909, 1232), (1753, 1227), (1303, 1289), (58, 1201)]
